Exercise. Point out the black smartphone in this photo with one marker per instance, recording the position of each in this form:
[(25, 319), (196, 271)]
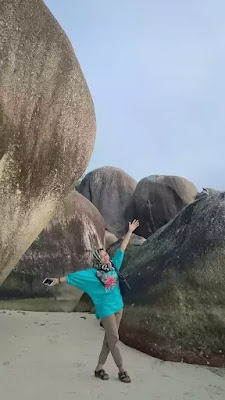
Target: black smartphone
[(48, 281)]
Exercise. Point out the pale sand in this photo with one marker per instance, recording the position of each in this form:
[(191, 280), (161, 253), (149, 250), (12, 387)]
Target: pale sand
[(52, 356)]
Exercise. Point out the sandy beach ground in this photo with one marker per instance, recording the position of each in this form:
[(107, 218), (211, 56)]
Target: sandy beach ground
[(51, 356)]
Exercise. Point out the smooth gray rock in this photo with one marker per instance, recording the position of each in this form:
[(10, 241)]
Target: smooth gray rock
[(158, 199), (110, 190)]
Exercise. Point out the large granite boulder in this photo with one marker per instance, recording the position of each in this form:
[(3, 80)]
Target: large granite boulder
[(47, 124), (110, 190), (65, 245), (176, 308), (158, 199)]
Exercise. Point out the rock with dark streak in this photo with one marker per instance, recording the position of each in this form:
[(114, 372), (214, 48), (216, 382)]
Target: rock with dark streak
[(175, 309)]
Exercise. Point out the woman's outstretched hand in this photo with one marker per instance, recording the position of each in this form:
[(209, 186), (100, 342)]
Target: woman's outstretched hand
[(55, 281), (133, 225)]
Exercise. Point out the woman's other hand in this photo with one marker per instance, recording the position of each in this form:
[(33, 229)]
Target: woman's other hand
[(133, 225)]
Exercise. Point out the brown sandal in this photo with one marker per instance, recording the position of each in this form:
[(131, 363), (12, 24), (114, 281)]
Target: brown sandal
[(124, 377), (102, 375)]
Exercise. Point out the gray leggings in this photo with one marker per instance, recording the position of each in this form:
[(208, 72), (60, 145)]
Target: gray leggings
[(111, 340)]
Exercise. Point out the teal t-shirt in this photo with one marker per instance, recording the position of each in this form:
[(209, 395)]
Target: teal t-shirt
[(107, 299)]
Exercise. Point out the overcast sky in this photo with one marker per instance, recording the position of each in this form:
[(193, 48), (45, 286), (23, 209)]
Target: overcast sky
[(155, 70)]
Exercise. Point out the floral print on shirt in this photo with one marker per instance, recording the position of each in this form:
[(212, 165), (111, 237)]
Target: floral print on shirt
[(112, 281)]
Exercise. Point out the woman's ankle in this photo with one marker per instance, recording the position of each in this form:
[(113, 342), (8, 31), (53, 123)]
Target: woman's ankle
[(99, 367)]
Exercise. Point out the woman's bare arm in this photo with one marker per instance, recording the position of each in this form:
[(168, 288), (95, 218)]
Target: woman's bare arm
[(132, 226), (59, 280)]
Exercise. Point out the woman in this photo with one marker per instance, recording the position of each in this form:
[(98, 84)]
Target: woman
[(101, 283)]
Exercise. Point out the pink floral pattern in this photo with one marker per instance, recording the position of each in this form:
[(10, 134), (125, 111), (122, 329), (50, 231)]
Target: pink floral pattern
[(110, 283)]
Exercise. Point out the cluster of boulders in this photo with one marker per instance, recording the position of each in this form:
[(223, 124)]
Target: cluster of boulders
[(95, 217), (155, 200), (175, 260), (175, 309)]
